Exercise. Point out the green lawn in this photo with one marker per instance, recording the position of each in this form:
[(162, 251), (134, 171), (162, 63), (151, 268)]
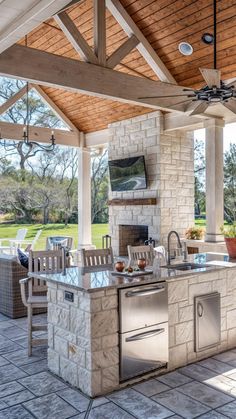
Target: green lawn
[(9, 231)]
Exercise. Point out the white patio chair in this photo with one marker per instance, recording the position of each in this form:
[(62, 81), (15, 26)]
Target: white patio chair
[(96, 257), (41, 261), (30, 244), (20, 235), (138, 252)]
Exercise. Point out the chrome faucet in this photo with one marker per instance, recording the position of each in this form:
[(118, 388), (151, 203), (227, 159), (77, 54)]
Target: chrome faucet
[(168, 245)]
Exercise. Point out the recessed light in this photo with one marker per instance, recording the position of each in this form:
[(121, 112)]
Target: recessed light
[(208, 38), (185, 48)]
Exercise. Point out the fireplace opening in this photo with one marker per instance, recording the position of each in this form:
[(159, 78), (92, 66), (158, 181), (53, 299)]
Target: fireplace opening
[(134, 235)]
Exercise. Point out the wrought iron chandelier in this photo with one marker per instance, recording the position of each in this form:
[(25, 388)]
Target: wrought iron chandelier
[(26, 130)]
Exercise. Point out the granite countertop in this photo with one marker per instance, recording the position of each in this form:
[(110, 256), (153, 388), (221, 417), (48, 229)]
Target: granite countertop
[(89, 280)]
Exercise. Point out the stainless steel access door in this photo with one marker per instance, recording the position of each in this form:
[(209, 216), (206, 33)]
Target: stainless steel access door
[(143, 350), (143, 306), (207, 321)]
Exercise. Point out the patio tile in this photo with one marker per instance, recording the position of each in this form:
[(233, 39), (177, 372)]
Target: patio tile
[(222, 383), (209, 396), (10, 388), (212, 415), (21, 357), (3, 318), (15, 412), (23, 342), (43, 383), (10, 373), (215, 365), (6, 323), (79, 416), (228, 410), (174, 379), (229, 357), (108, 411), (7, 346), (50, 406), (75, 398), (99, 401), (181, 404), (17, 398), (150, 387), (138, 405), (197, 372), (13, 332), (3, 361), (35, 367)]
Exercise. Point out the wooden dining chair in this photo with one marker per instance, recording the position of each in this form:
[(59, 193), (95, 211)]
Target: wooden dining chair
[(96, 257), (34, 291), (139, 252)]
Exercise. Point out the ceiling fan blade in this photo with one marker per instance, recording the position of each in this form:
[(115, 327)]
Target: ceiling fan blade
[(231, 82), (231, 105), (197, 107), (163, 97), (211, 76)]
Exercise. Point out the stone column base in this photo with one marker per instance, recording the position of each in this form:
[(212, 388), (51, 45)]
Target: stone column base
[(214, 238)]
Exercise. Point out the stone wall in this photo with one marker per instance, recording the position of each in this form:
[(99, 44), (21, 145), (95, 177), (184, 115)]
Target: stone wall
[(83, 339), (169, 163), (181, 293)]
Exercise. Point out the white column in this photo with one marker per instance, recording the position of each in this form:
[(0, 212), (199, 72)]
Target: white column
[(214, 179), (84, 198)]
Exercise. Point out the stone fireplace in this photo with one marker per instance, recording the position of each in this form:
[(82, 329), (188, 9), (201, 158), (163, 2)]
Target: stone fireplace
[(134, 235), (168, 201)]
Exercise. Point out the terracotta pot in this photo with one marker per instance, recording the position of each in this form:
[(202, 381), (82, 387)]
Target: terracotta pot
[(119, 266), (142, 263), (231, 246)]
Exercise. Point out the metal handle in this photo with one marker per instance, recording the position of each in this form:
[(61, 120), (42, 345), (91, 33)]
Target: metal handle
[(144, 292), (199, 309), (145, 335)]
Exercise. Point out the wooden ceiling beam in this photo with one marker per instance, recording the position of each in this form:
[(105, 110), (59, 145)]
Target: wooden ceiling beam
[(57, 111), (100, 31), (13, 99), (76, 39), (144, 47), (122, 51), (54, 70), (11, 131)]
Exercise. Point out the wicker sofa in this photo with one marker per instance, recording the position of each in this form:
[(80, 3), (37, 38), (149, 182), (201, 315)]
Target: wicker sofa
[(11, 271), (10, 298)]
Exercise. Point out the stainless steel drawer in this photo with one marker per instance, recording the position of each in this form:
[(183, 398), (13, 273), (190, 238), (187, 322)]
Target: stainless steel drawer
[(143, 306), (143, 350)]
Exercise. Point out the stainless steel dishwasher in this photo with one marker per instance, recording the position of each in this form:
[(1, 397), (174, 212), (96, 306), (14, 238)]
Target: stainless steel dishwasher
[(143, 329)]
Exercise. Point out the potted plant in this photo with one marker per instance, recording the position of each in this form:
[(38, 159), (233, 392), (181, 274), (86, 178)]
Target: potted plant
[(229, 233), (194, 233)]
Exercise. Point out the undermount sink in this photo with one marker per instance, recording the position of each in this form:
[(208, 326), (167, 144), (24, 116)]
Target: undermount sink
[(187, 266)]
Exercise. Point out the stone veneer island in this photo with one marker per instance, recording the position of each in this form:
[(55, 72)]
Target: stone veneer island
[(84, 332)]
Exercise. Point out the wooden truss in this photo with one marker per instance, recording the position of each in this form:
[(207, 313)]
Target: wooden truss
[(40, 134)]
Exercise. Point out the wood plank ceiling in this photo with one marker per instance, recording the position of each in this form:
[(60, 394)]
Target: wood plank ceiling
[(165, 23)]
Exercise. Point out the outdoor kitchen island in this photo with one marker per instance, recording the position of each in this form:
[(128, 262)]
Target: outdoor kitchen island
[(83, 319)]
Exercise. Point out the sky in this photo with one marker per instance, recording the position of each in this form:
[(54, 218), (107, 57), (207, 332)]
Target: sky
[(229, 135)]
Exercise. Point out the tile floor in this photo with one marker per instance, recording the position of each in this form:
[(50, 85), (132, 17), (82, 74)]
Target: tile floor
[(204, 390)]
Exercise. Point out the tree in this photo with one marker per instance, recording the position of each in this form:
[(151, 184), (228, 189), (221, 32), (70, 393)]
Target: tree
[(230, 183), (99, 186), (199, 175)]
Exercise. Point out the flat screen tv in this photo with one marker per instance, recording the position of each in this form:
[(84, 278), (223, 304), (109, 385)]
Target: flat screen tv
[(128, 174)]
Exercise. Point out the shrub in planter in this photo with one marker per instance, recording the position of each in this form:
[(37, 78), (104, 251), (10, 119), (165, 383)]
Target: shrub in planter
[(194, 233), (229, 233)]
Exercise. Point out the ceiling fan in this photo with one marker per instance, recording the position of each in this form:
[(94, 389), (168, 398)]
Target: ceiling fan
[(215, 91)]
